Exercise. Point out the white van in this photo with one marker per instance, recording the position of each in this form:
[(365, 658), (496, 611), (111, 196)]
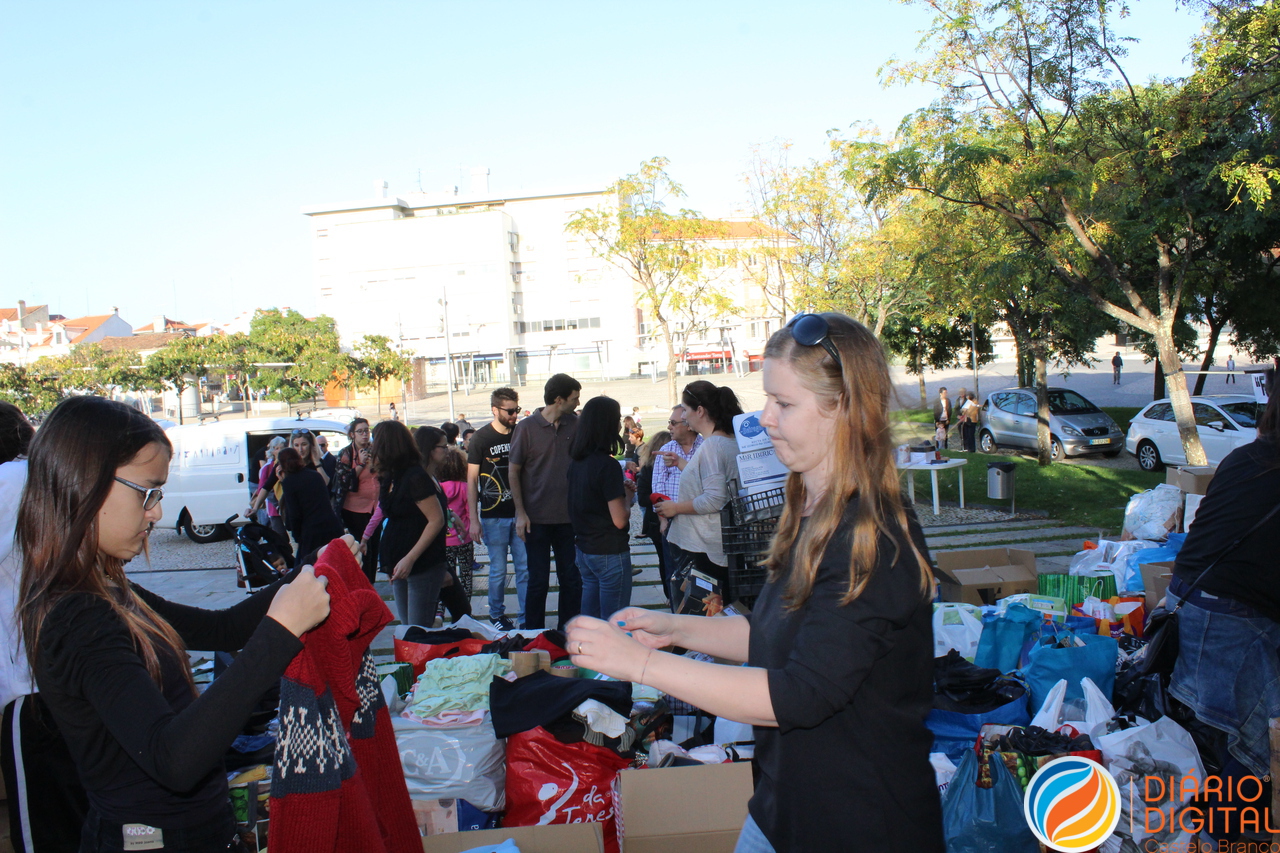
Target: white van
[(209, 473)]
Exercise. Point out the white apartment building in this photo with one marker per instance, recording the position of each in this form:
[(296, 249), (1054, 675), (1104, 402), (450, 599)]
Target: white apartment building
[(523, 298)]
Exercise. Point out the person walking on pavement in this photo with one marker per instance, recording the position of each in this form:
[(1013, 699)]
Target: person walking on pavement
[(539, 460), (942, 415), (492, 509), (395, 415), (1116, 364), (1231, 368), (462, 423)]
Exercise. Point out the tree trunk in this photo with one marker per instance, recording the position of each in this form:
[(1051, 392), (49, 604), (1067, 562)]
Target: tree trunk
[(1179, 396), (672, 361), (1215, 332), (379, 394), (918, 356), (1044, 451), (1157, 388)]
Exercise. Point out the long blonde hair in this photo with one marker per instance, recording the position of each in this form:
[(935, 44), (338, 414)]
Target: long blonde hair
[(652, 446), (861, 464)]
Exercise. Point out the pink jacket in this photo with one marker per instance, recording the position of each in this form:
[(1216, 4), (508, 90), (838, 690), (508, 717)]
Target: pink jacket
[(455, 493)]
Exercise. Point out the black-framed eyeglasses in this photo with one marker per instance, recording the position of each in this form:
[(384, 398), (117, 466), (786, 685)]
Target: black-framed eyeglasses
[(507, 411), (150, 497), (812, 330)]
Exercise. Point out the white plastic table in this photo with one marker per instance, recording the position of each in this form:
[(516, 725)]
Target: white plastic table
[(933, 469)]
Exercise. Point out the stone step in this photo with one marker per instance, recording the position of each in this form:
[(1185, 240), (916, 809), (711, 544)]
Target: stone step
[(1049, 547), (997, 538), (989, 525)]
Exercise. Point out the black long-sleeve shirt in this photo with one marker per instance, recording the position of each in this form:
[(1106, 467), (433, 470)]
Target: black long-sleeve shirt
[(848, 764), (308, 513), (151, 753)]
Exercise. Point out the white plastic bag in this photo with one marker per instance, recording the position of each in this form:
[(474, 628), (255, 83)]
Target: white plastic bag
[(1153, 514), (1054, 713), (944, 770), (1114, 558), (956, 626), (1160, 749), (465, 763)]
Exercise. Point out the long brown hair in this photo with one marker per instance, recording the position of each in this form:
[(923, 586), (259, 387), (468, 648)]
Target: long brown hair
[(71, 469), (861, 463), (652, 446)]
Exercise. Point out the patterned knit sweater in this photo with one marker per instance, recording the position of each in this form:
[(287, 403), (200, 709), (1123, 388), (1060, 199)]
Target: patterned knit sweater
[(338, 785)]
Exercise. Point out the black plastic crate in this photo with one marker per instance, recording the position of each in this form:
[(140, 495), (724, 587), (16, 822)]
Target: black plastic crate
[(750, 539), (756, 507), (746, 579)]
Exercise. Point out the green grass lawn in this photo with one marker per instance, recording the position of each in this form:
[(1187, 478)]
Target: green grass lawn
[(1079, 495), (1122, 415), (913, 416)]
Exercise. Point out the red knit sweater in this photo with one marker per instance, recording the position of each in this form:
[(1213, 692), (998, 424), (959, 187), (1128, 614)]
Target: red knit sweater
[(338, 785)]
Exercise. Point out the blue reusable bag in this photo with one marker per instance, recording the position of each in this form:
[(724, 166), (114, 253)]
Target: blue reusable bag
[(954, 732), (1006, 637), (985, 820), (1048, 665)]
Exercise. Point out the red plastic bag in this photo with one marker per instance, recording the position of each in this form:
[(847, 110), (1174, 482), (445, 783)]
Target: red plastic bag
[(419, 654), (549, 782)]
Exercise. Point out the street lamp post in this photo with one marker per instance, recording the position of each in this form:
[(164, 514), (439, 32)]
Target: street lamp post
[(448, 350)]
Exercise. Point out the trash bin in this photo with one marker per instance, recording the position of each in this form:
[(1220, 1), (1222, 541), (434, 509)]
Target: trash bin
[(1000, 480)]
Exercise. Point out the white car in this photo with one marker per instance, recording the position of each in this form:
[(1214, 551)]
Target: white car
[(1224, 422), (209, 471)]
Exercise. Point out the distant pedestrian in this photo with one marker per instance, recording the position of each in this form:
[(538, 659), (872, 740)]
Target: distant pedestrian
[(635, 414), (395, 415), (1231, 367), (451, 432), (1116, 364), (970, 414), (539, 459), (462, 423), (942, 411)]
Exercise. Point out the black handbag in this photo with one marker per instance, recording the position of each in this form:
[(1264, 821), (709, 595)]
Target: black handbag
[(1162, 627)]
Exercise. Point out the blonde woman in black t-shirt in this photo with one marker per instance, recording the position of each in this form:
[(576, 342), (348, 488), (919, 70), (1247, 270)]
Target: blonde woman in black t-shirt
[(839, 645), (110, 658)]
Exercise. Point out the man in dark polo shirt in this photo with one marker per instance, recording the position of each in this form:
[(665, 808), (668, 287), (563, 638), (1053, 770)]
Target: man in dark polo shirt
[(540, 488)]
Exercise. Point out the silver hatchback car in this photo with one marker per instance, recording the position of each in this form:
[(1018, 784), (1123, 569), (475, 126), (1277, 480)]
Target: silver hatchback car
[(1076, 426)]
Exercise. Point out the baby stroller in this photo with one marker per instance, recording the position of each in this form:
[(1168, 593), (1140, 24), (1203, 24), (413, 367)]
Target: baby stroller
[(261, 556)]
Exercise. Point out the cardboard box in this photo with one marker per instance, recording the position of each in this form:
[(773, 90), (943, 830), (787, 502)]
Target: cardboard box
[(985, 575), (683, 809), (565, 838), (749, 433), (1192, 479), (760, 470), (1155, 579)]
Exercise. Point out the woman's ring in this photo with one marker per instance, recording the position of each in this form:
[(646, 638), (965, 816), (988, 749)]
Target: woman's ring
[(579, 647)]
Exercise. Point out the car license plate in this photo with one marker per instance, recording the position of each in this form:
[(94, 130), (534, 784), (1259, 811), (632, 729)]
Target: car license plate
[(1099, 441)]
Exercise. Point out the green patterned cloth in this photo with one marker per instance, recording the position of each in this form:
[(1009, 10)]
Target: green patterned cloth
[(1074, 589)]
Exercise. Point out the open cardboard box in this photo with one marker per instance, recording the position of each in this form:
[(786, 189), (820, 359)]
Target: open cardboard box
[(1192, 479), (563, 838), (985, 575), (1155, 580), (683, 809)]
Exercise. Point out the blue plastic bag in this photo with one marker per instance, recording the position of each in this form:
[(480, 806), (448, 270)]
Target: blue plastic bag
[(985, 820), (1006, 637), (1048, 665), (1166, 553), (953, 732)]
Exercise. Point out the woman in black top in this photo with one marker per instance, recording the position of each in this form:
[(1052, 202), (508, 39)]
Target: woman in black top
[(110, 658), (435, 446), (840, 645), (413, 509), (304, 500)]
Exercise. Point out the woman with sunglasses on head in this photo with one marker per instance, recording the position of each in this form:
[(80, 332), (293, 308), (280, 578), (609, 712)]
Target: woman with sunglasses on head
[(693, 539), (413, 512), (110, 658), (839, 648), (304, 444), (308, 513)]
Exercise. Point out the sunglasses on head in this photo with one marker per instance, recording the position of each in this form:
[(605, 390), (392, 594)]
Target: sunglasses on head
[(812, 330), (298, 432)]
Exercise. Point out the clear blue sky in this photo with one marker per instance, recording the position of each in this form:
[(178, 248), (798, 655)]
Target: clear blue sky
[(155, 155)]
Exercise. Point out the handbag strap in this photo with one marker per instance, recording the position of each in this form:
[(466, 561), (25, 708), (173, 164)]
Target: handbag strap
[(1225, 551)]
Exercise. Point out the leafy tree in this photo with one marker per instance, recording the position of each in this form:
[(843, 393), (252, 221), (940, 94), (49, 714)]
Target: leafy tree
[(1039, 127), (238, 358), (665, 253), (936, 343), (180, 364), (377, 360), (32, 391), (303, 354)]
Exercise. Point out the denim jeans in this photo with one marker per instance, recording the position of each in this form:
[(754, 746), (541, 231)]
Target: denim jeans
[(751, 839), (418, 595), (539, 542), (1214, 635), (606, 583), (499, 536)]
